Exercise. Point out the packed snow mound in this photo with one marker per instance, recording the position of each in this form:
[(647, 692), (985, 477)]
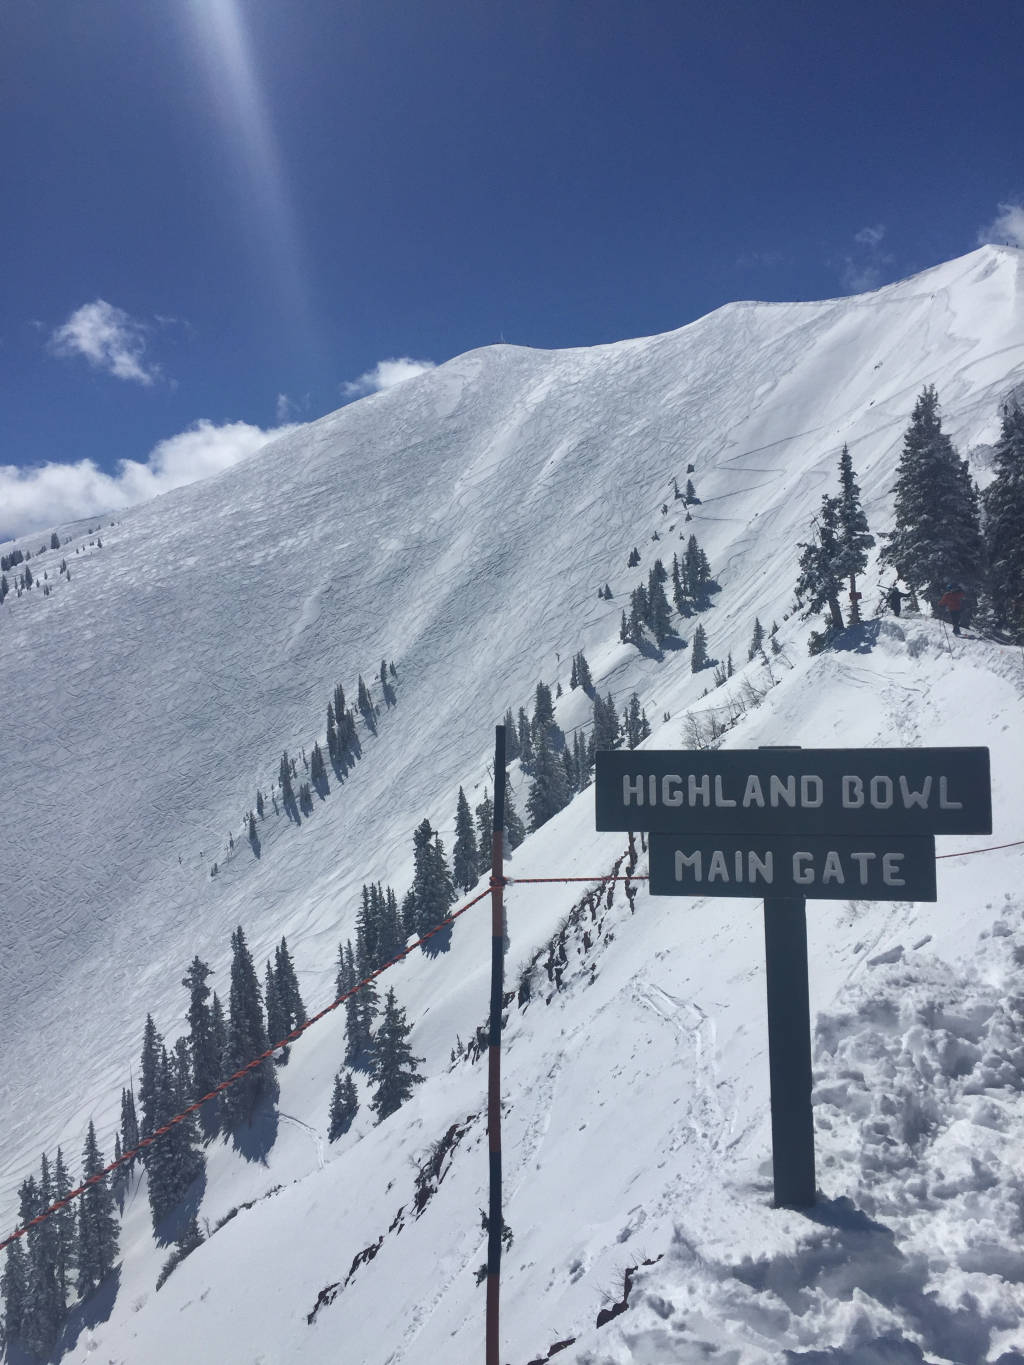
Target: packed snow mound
[(461, 525)]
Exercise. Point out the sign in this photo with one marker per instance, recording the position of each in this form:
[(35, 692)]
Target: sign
[(815, 867), (851, 792)]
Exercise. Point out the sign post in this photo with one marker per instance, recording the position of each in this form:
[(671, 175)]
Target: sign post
[(791, 824)]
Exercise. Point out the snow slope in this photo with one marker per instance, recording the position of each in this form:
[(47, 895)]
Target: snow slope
[(461, 524)]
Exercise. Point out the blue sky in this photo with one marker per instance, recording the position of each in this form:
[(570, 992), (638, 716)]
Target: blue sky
[(224, 215)]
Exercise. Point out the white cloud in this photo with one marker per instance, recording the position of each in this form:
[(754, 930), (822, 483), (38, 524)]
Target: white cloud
[(109, 339), (870, 236), (1007, 228), (52, 494), (866, 266), (385, 375)]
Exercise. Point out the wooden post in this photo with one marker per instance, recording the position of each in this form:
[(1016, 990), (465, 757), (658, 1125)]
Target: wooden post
[(495, 1220), (789, 1052)]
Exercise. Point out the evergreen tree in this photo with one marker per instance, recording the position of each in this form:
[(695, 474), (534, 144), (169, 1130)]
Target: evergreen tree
[(357, 1044), (525, 740), (514, 829), (367, 998), (819, 583), (624, 633), (854, 538), (584, 677), (639, 615), (46, 1308), (484, 833), (543, 715), (691, 493), (289, 996), (550, 789), (344, 1105), (97, 1226), (937, 536), (14, 1287), (659, 614), (317, 768), (635, 724), (680, 600), (606, 733), (1004, 524), (259, 804), (395, 1068), (276, 1028), (247, 1038), (365, 703), (176, 1159), (206, 1058), (150, 1066), (66, 1226), (284, 773), (465, 854), (584, 761), (432, 888), (756, 640), (634, 558), (699, 653), (54, 541), (511, 737), (220, 1037), (129, 1124)]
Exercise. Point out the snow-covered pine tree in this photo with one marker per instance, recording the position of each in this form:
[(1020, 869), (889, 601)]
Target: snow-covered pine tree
[(699, 653), (97, 1225), (129, 1124), (550, 790), (284, 773), (395, 1068), (583, 674), (606, 733), (14, 1288), (1004, 525), (288, 992), (148, 1076), (367, 999), (525, 740), (937, 535), (484, 831), (639, 615), (854, 538), (66, 1225), (634, 558), (543, 721), (756, 640), (247, 1038), (635, 724), (47, 1307), (820, 583), (659, 614), (515, 830), (219, 1025), (511, 737), (318, 769), (344, 1105), (365, 703), (390, 929), (275, 1014), (465, 854), (204, 1053)]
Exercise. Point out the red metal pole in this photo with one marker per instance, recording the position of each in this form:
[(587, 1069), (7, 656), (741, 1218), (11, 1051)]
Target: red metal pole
[(495, 1221)]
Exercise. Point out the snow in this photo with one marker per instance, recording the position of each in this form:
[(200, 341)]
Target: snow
[(462, 524)]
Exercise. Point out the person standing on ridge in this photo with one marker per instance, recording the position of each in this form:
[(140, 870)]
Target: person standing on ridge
[(894, 599), (953, 601)]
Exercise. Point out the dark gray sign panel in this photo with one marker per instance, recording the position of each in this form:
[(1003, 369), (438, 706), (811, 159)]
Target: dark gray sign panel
[(816, 868), (886, 792)]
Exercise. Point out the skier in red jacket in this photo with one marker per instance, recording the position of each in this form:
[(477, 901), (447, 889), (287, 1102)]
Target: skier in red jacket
[(953, 600)]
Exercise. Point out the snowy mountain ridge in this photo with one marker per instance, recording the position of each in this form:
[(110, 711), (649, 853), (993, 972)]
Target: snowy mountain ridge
[(461, 524)]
